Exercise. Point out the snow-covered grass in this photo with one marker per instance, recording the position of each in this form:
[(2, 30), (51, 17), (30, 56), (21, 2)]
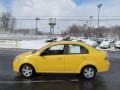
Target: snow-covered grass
[(32, 44), (8, 36)]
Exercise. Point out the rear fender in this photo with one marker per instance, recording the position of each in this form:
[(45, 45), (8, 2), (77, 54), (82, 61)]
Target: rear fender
[(86, 64)]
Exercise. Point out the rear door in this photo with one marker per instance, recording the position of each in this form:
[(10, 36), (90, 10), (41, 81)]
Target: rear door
[(76, 54)]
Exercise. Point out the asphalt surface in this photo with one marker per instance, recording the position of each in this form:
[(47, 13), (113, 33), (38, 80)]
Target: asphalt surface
[(11, 81)]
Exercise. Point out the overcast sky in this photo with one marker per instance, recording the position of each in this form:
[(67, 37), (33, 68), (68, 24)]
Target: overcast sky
[(60, 7), (35, 8)]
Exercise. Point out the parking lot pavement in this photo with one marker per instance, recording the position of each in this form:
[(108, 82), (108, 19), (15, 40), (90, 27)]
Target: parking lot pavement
[(11, 81)]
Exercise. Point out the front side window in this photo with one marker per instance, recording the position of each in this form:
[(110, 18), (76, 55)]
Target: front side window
[(58, 47), (54, 50), (77, 49)]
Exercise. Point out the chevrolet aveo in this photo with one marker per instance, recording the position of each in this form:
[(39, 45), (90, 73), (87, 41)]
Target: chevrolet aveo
[(62, 57)]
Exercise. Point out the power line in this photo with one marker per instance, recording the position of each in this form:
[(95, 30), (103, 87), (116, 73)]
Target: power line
[(112, 19), (61, 16), (68, 19)]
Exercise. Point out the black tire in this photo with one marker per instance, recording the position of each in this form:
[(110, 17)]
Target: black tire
[(27, 70), (88, 72)]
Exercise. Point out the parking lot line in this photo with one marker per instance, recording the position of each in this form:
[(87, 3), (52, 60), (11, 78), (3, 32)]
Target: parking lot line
[(42, 81), (12, 82)]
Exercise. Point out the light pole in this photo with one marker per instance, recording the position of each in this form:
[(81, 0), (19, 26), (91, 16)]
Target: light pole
[(37, 19), (99, 7), (90, 24)]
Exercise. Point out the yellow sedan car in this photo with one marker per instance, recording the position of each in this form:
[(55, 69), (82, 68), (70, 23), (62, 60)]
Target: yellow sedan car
[(62, 57)]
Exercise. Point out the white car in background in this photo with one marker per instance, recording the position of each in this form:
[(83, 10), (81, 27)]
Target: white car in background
[(105, 44), (59, 38), (117, 44), (91, 43), (83, 39)]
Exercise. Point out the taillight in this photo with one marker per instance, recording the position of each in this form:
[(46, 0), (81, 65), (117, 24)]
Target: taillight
[(106, 57)]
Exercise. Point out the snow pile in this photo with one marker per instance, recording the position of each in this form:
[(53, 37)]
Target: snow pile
[(32, 44)]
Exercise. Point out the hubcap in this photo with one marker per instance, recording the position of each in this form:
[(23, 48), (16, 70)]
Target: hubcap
[(89, 72), (27, 71)]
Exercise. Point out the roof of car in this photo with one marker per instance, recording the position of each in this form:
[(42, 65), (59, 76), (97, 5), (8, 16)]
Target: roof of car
[(67, 42)]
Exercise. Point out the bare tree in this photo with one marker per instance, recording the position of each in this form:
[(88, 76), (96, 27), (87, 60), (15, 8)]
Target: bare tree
[(7, 21), (75, 30)]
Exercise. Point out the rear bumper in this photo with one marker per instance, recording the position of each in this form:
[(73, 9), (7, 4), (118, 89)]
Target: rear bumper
[(105, 66)]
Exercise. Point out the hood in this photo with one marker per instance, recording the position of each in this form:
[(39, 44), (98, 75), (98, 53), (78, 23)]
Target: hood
[(25, 54)]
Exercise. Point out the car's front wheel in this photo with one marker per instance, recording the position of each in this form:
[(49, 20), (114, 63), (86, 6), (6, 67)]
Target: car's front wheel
[(27, 70), (88, 72)]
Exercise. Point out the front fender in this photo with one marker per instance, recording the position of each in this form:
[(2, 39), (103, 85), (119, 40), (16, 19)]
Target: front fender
[(30, 61)]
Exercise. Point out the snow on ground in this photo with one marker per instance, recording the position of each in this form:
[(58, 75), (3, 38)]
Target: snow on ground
[(23, 44), (8, 36)]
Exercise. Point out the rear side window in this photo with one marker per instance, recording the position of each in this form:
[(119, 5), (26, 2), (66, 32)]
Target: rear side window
[(77, 49)]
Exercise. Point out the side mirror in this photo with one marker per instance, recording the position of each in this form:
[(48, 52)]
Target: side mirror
[(42, 54)]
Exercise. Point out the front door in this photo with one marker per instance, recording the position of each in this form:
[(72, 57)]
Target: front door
[(52, 60)]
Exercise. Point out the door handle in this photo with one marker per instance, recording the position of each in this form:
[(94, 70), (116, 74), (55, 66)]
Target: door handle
[(83, 57), (59, 59)]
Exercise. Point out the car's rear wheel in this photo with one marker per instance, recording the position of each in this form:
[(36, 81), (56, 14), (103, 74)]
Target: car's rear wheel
[(88, 72), (27, 70)]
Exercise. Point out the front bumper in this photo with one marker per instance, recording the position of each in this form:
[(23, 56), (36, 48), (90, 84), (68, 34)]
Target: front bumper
[(16, 66)]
